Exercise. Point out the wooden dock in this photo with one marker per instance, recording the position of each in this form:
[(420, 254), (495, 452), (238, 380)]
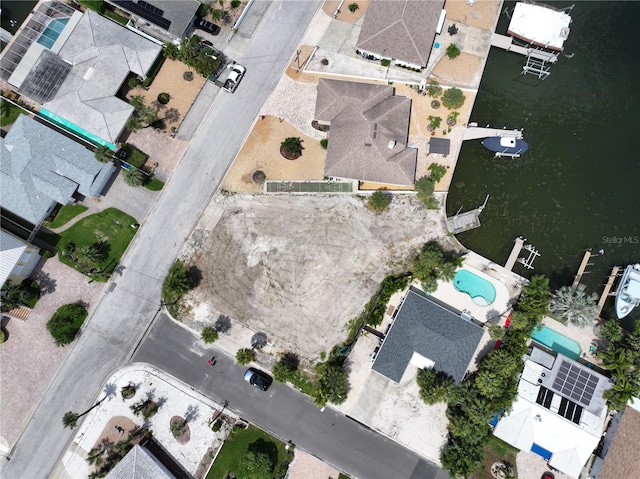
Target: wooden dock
[(464, 222), (506, 43), (475, 132), (607, 288), (513, 257), (581, 269)]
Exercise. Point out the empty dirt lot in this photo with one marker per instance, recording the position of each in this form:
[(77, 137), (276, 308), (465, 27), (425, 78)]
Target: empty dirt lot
[(299, 267)]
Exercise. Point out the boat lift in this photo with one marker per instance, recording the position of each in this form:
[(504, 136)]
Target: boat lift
[(533, 254)]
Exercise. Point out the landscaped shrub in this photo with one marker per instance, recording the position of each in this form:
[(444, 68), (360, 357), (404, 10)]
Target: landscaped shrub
[(133, 82), (285, 368), (66, 322), (353, 7), (385, 62), (324, 143), (188, 76), (175, 284), (163, 98), (434, 90), (453, 51), (291, 148), (453, 98), (3, 338), (235, 3), (379, 201), (390, 284), (245, 356), (128, 391), (152, 184), (209, 334)]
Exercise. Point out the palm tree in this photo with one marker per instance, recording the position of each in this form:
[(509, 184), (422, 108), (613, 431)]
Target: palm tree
[(95, 456), (292, 147), (87, 256), (13, 295), (615, 360), (70, 419), (434, 387), (576, 307), (133, 177), (103, 154), (447, 271)]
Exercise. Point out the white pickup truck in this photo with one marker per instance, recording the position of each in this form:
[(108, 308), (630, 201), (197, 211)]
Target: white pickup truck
[(236, 74)]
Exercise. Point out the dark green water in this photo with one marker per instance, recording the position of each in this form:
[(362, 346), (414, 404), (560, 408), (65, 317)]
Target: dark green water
[(578, 186)]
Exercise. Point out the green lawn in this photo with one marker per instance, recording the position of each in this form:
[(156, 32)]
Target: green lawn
[(111, 226), (115, 17), (11, 111), (66, 214), (236, 446), (153, 184)]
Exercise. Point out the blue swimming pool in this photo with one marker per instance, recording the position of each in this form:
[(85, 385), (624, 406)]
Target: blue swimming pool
[(556, 341), (482, 292), (52, 32)]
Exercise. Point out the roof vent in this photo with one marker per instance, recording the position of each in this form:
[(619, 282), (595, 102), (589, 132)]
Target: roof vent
[(392, 143)]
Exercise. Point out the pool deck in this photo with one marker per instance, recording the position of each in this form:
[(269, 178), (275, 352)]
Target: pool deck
[(583, 336), (447, 293)]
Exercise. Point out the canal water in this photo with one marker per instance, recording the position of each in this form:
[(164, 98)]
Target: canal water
[(578, 186), (14, 12)]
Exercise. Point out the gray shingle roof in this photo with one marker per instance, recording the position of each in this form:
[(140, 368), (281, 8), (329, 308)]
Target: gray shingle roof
[(101, 54), (369, 132), (401, 29), (139, 464), (426, 328), (41, 167)]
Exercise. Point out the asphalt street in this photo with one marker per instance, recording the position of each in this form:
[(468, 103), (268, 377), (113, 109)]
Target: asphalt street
[(126, 310), (282, 410)]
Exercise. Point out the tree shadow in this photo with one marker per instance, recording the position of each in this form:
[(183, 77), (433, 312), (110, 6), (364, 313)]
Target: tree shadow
[(291, 360), (223, 324), (110, 390), (192, 413), (102, 248), (265, 447), (172, 115), (259, 340), (195, 276), (47, 283), (161, 402)]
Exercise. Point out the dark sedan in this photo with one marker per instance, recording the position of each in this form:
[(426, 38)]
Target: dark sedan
[(258, 379), (202, 24)]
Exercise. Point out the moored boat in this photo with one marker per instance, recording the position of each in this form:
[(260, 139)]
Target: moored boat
[(628, 293), (505, 145)]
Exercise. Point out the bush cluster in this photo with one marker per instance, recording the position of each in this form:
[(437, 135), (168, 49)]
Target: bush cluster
[(66, 322)]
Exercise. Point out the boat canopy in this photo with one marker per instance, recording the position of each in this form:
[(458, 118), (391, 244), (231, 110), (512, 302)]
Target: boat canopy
[(540, 25)]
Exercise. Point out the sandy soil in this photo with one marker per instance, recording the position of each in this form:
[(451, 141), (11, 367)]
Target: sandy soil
[(481, 14), (271, 262), (462, 70), (183, 93), (261, 151), (329, 7)]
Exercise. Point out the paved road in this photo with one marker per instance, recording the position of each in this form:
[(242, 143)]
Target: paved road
[(329, 435), (132, 299)]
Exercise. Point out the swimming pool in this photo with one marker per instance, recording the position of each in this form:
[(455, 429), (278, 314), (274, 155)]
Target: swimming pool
[(481, 291), (556, 341), (52, 32)]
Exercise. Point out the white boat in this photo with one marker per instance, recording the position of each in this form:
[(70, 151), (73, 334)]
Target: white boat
[(628, 294)]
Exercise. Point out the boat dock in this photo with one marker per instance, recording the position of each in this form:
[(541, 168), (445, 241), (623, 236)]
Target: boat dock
[(607, 287), (461, 222), (513, 257), (474, 132), (581, 269), (506, 43)]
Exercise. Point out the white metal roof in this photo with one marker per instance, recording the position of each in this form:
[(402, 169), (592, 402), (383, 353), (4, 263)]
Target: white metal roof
[(527, 423), (540, 25), (11, 249)]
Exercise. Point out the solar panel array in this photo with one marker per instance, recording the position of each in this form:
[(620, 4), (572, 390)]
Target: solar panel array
[(146, 11), (575, 383)]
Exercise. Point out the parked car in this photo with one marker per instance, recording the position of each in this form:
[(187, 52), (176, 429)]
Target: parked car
[(236, 74), (202, 24), (258, 379)]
